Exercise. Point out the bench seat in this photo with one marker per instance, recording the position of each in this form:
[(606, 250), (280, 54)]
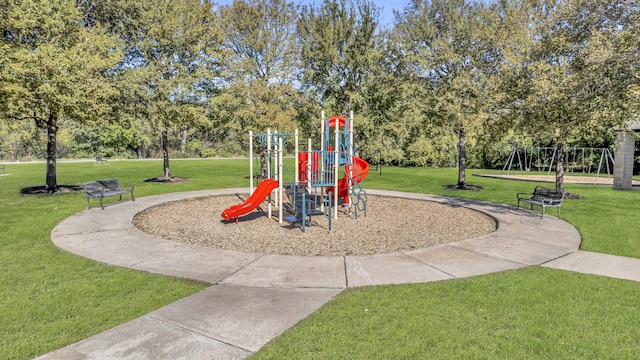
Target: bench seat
[(106, 188), (543, 197)]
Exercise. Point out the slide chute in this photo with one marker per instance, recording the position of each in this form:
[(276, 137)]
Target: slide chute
[(360, 171), (262, 191)]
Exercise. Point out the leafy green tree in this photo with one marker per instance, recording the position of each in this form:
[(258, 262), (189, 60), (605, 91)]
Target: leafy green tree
[(612, 60), (559, 81), (20, 139), (260, 39), (338, 41), (452, 59), (262, 63), (53, 65), (173, 55), (384, 124), (127, 132), (120, 17)]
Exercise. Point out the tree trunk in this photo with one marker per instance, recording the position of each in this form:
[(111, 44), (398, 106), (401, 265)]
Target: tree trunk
[(560, 166), (52, 134), (462, 158), (165, 154), (183, 143)]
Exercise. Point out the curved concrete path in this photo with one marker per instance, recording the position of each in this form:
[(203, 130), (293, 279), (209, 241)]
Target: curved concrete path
[(255, 297)]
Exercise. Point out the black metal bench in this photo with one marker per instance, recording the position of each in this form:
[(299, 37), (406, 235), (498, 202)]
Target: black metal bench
[(101, 160), (106, 188), (543, 197)]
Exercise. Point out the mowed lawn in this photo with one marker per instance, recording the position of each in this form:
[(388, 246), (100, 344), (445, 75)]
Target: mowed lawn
[(51, 298)]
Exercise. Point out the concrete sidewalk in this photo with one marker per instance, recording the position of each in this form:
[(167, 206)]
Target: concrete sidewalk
[(255, 297)]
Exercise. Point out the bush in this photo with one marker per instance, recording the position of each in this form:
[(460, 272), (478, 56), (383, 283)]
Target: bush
[(208, 153), (230, 150)]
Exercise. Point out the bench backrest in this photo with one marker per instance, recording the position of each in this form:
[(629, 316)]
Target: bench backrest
[(110, 184), (543, 193), (92, 187)]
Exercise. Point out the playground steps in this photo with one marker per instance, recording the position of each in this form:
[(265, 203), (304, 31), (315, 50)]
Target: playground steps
[(296, 193)]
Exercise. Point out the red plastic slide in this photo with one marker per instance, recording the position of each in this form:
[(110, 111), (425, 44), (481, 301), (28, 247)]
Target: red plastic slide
[(262, 191), (343, 184)]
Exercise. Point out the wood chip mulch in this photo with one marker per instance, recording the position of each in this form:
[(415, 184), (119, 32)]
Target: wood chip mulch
[(391, 224)]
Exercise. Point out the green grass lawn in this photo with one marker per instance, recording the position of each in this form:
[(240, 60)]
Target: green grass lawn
[(51, 298), (532, 313)]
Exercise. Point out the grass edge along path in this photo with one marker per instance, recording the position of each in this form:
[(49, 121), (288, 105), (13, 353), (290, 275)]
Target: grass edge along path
[(51, 298), (531, 313)]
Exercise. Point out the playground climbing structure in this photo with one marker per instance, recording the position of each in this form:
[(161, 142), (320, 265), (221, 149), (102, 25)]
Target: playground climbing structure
[(323, 179)]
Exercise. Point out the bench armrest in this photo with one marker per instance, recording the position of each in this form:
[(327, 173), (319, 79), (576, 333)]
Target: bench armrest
[(522, 193)]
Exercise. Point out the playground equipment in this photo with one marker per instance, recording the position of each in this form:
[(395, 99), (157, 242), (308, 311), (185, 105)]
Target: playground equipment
[(256, 198), (585, 160), (315, 187)]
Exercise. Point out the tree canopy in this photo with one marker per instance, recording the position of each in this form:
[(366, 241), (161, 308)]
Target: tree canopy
[(53, 67), (557, 88), (454, 82)]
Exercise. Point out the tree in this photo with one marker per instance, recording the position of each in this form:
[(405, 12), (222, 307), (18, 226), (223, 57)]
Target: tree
[(173, 56), (387, 124), (452, 58), (260, 38), (612, 60), (263, 63), (555, 84), (338, 40), (53, 66)]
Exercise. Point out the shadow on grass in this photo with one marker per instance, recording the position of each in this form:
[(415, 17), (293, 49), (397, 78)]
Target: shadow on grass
[(42, 189)]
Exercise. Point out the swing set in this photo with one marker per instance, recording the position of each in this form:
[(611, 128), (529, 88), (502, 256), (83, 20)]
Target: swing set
[(576, 159)]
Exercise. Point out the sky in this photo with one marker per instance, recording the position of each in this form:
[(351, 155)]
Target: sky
[(386, 18), (387, 6)]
